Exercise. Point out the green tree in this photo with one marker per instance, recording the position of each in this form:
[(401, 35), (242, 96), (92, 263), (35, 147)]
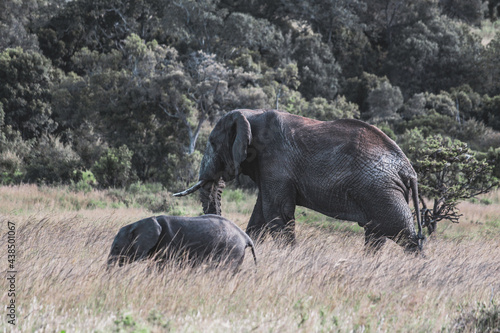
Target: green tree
[(15, 17), (322, 109), (433, 55), (13, 151), (318, 71), (245, 34), (384, 102), (491, 111), (26, 83), (194, 25), (470, 11), (51, 162), (448, 172), (337, 24), (490, 67), (375, 95), (386, 18), (98, 25), (114, 167)]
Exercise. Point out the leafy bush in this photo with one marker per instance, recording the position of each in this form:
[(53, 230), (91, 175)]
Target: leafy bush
[(51, 162), (13, 151), (235, 195), (114, 167), (482, 318), (25, 92), (84, 181), (322, 109), (181, 170), (448, 172)]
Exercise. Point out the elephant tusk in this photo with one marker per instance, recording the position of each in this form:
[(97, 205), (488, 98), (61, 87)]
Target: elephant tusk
[(192, 189)]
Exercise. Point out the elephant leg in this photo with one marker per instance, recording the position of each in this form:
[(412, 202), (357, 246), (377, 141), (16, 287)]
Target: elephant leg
[(274, 212), (279, 214), (256, 224), (373, 240), (391, 217)]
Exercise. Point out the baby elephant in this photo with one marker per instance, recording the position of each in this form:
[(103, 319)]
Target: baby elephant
[(198, 238)]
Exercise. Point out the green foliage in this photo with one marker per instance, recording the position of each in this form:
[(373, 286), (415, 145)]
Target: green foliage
[(321, 109), (317, 67), (14, 30), (358, 90), (156, 75), (448, 172), (431, 51), (181, 170), (51, 162), (114, 167), (384, 127), (491, 113), (13, 152), (492, 156), (83, 181), (431, 123), (235, 195), (470, 11), (126, 323), (481, 318), (384, 102), (25, 92)]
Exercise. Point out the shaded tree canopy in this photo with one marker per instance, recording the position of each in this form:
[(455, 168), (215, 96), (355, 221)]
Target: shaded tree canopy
[(87, 81)]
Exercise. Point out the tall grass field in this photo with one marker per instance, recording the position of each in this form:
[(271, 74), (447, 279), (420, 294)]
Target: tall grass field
[(58, 281)]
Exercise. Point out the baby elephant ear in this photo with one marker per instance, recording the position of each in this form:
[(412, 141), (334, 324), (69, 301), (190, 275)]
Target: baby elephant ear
[(144, 235)]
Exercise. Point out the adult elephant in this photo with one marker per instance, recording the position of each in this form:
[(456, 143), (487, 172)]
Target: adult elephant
[(346, 169)]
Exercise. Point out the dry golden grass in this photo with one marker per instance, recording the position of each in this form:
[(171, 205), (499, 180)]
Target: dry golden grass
[(327, 283)]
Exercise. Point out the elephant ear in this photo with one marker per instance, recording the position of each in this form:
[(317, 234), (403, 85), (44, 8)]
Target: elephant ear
[(242, 138), (144, 235)]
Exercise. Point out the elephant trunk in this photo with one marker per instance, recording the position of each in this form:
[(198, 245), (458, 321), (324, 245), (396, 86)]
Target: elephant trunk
[(192, 189), (210, 196)]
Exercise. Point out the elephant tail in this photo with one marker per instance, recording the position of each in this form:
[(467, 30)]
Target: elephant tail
[(252, 247), (414, 192)]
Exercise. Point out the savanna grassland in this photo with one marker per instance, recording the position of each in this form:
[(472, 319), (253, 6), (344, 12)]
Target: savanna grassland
[(327, 283)]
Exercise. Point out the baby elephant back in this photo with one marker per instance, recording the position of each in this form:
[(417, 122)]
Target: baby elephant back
[(207, 237)]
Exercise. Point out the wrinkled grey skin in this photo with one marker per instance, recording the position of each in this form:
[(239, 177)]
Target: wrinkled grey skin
[(345, 169), (166, 237)]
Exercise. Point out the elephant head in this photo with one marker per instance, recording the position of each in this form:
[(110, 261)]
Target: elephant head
[(134, 241), (226, 150)]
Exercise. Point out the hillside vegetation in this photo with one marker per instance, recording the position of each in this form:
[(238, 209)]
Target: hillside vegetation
[(326, 283), (106, 93)]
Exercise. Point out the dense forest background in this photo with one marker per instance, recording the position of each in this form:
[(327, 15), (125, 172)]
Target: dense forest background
[(114, 92)]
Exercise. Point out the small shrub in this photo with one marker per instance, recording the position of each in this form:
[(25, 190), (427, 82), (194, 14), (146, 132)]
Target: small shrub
[(156, 318), (114, 168), (235, 195), (51, 162), (84, 181), (93, 204), (486, 201), (177, 211), (126, 323), (482, 318), (448, 172)]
